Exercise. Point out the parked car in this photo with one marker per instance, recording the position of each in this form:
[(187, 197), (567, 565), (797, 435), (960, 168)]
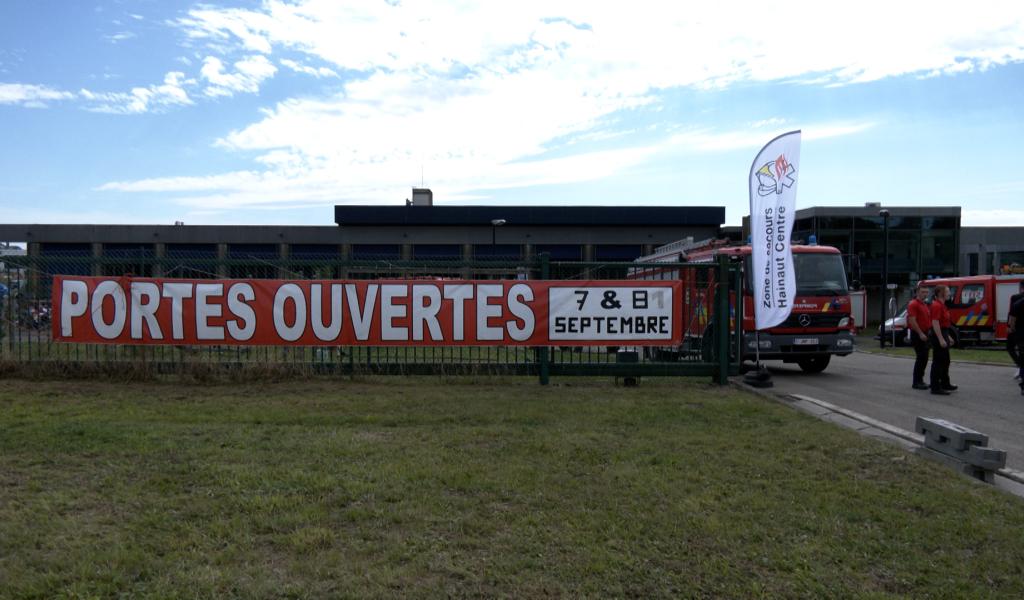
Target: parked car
[(895, 328)]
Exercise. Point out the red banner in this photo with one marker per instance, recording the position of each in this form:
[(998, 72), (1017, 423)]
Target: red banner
[(127, 310)]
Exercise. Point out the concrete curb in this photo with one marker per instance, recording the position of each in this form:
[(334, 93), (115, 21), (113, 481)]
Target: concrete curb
[(953, 360), (865, 425)]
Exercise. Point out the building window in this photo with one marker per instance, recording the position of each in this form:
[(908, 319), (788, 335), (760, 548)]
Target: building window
[(938, 253), (972, 263), (835, 223), (1011, 263), (253, 261), (190, 261), (376, 251), (66, 259), (617, 252), (497, 252), (128, 259), (313, 261), (437, 252), (561, 251), (868, 223), (905, 223), (806, 224), (929, 223)]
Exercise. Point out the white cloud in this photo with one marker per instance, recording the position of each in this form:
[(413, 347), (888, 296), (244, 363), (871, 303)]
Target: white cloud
[(247, 76), (142, 99), (705, 140), (308, 70), (650, 43), (31, 96), (121, 36), (490, 95)]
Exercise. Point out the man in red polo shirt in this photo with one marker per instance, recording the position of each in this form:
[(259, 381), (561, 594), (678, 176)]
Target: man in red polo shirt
[(919, 321), (941, 342)]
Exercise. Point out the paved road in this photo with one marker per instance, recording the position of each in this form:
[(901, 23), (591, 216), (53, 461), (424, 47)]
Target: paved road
[(988, 400)]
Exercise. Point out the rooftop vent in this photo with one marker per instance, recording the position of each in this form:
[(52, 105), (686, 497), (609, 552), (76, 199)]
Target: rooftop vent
[(422, 197)]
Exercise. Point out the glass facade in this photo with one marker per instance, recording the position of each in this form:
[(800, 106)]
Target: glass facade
[(561, 251), (618, 252), (129, 259), (191, 261), (259, 261), (437, 252), (919, 246), (497, 252), (79, 256)]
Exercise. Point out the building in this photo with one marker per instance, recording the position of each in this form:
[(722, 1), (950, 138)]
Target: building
[(923, 242), (991, 250), (417, 231)]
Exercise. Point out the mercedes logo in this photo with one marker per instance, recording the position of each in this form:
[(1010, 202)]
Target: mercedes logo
[(804, 320)]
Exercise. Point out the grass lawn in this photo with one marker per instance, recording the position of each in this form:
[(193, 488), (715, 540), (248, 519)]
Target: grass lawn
[(425, 487), (995, 354)]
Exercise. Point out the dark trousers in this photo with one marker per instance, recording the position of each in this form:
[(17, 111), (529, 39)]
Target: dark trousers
[(1020, 358), (1013, 344), (940, 363), (921, 350)]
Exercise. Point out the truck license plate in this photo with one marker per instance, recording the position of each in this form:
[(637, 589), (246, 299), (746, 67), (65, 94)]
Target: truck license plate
[(806, 341)]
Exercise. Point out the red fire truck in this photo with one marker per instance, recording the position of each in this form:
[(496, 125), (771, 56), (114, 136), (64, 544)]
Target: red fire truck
[(818, 327), (979, 304)]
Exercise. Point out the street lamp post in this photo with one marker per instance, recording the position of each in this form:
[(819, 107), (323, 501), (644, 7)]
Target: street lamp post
[(495, 224), (885, 274)]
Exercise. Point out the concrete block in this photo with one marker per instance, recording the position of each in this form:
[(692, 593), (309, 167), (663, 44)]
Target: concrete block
[(940, 434), (989, 459), (980, 456), (957, 465)]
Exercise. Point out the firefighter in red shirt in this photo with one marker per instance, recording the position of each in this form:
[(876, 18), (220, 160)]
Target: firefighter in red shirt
[(919, 321), (941, 342)]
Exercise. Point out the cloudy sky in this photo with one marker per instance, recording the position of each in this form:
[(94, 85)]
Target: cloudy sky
[(153, 111)]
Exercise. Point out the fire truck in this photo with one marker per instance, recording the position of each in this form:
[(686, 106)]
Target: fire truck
[(819, 327), (979, 305)]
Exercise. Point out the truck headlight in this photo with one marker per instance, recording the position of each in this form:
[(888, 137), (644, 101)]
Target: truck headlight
[(844, 343), (844, 322)]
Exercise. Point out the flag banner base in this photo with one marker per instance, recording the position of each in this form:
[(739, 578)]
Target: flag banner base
[(760, 378)]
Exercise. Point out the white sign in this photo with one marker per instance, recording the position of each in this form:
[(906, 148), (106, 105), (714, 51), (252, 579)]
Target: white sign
[(610, 313), (773, 178)]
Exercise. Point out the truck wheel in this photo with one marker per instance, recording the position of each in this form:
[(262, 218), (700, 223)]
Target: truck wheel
[(814, 364)]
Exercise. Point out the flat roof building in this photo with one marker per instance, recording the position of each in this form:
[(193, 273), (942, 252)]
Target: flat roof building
[(991, 250), (417, 231)]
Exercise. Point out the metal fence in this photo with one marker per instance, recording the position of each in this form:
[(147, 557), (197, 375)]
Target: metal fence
[(708, 348)]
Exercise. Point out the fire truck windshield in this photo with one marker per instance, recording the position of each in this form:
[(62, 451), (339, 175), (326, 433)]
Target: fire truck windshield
[(819, 274)]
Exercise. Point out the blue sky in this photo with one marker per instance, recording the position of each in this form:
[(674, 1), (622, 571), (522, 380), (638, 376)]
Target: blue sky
[(273, 112)]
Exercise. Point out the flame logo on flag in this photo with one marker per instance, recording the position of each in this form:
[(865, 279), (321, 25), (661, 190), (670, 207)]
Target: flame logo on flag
[(775, 176)]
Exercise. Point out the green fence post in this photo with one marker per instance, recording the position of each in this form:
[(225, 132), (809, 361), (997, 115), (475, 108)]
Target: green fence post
[(544, 357), (737, 314), (722, 322)]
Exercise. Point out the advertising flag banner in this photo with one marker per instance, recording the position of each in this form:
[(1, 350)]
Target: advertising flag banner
[(129, 310), (773, 179)]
